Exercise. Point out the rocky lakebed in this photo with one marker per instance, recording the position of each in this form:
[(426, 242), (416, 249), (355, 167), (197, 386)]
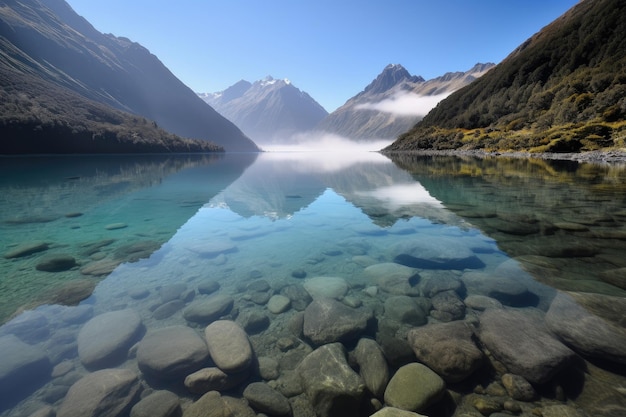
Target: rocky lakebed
[(429, 331)]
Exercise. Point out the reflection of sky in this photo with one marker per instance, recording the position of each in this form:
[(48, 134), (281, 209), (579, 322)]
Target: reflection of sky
[(402, 195)]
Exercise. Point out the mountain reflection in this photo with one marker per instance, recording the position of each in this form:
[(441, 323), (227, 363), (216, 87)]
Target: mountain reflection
[(278, 185)]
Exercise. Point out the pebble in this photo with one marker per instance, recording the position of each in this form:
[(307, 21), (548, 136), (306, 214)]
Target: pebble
[(278, 304)]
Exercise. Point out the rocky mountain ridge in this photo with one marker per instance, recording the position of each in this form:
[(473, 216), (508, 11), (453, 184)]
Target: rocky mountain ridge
[(268, 110), (393, 102)]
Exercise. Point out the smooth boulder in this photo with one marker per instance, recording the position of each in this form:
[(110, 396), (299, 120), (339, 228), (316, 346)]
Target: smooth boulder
[(229, 346), (435, 253), (104, 340), (213, 379), (414, 387), (171, 353), (265, 399), (158, 404), (104, 393), (207, 310), (326, 287)]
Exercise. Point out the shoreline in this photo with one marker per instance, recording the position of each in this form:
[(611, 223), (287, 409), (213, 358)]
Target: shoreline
[(593, 157)]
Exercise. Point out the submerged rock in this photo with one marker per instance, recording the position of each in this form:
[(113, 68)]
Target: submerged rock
[(523, 344), (26, 249), (447, 306), (105, 339), (331, 386), (326, 287), (101, 267), (108, 392), (56, 263), (23, 368), (587, 333), (265, 399), (209, 309), (31, 327), (213, 379), (435, 253), (327, 321), (447, 348), (171, 353), (299, 296), (414, 387), (211, 249), (278, 304), (158, 404), (229, 346), (394, 278), (404, 309), (212, 404), (373, 366), (395, 412)]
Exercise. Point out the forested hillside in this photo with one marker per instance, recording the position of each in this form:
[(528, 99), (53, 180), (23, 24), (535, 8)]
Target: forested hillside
[(563, 90)]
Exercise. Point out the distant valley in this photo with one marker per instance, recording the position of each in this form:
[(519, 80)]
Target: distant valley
[(274, 111)]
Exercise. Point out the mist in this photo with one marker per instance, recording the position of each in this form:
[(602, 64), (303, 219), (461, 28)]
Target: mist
[(326, 142), (405, 104)]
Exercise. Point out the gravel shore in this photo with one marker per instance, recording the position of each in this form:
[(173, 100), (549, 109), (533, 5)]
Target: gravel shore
[(594, 157)]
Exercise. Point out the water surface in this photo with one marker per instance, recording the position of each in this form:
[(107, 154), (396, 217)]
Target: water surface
[(458, 237)]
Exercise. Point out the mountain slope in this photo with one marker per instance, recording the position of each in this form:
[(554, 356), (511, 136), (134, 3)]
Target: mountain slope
[(563, 90), (37, 116), (50, 41), (393, 102), (268, 110)]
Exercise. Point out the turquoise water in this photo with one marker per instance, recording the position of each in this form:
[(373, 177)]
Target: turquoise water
[(455, 237)]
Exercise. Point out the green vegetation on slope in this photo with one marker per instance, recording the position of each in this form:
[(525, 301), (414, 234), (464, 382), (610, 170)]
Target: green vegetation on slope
[(39, 117), (563, 90)]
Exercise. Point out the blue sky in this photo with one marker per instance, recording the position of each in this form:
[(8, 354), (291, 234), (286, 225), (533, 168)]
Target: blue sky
[(329, 48)]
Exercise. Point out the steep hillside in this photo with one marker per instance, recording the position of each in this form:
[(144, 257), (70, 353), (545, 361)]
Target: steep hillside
[(48, 40), (268, 110), (563, 90), (393, 102), (39, 117)]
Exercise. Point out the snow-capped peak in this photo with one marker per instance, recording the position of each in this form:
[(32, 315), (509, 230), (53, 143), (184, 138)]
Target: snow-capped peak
[(269, 80)]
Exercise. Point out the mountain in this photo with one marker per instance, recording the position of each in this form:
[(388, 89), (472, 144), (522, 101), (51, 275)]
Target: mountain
[(394, 102), (268, 110), (46, 40), (563, 90)]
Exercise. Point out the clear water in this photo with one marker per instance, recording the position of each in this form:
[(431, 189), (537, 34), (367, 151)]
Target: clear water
[(156, 223)]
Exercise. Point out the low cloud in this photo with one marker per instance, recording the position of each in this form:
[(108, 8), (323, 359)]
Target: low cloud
[(405, 104), (326, 142)]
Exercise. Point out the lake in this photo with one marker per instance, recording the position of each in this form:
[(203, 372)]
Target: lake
[(308, 284)]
